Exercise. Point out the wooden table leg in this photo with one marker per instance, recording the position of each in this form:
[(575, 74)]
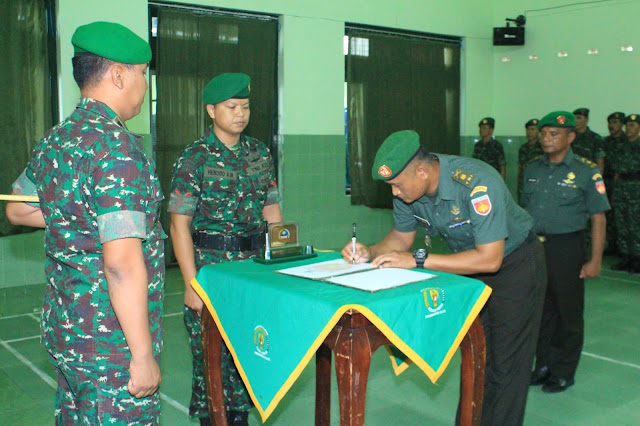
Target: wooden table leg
[(211, 344), (323, 386), (473, 353)]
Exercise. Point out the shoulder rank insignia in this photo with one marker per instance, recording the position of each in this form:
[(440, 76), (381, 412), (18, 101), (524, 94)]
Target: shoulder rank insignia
[(587, 162), (462, 177)]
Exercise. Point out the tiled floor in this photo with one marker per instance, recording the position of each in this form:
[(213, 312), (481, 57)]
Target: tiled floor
[(607, 389)]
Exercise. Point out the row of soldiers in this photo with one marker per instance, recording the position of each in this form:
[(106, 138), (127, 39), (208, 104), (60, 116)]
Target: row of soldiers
[(618, 158)]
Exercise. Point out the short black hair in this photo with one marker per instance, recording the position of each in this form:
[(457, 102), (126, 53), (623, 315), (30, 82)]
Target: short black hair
[(88, 68)]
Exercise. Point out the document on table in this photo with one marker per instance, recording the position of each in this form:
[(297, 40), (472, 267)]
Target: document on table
[(360, 276)]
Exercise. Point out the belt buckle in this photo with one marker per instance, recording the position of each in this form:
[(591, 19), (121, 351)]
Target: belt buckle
[(227, 243)]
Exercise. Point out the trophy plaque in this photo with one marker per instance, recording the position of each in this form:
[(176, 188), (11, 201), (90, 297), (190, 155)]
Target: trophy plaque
[(282, 245)]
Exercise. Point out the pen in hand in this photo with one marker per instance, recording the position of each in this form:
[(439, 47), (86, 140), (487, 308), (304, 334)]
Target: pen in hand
[(353, 242)]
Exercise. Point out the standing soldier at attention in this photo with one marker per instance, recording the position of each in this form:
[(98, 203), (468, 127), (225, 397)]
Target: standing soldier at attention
[(488, 149), (223, 191), (99, 201), (616, 139), (626, 197), (562, 192), (529, 150), (587, 144)]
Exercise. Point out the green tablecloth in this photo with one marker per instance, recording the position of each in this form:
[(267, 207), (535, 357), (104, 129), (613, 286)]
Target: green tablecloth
[(274, 323)]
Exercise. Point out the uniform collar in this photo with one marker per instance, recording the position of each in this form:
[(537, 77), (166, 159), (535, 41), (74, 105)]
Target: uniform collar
[(446, 189), (100, 108), (212, 139), (566, 160)]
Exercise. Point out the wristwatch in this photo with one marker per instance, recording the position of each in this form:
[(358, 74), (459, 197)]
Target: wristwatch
[(420, 256)]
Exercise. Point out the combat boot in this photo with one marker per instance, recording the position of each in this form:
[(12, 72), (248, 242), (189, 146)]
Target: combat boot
[(623, 265)]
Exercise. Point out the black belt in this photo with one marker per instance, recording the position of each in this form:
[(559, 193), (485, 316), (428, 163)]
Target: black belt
[(548, 237), (228, 242), (629, 176)]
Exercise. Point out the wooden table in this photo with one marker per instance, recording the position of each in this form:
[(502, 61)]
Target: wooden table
[(353, 340)]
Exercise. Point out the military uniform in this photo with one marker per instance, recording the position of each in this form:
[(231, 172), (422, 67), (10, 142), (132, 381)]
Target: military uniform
[(611, 145), (588, 145), (491, 152), (626, 198), (225, 191), (561, 197), (95, 184), (473, 206), (526, 154)]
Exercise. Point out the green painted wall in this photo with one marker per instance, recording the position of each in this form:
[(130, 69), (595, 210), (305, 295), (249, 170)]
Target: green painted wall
[(311, 64)]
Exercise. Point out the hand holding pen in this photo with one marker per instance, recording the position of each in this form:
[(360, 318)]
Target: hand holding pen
[(355, 252), (353, 243)]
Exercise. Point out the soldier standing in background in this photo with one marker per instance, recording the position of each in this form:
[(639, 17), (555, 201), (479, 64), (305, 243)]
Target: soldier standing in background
[(587, 144), (626, 197), (488, 149), (616, 139), (223, 191), (529, 150), (100, 200)]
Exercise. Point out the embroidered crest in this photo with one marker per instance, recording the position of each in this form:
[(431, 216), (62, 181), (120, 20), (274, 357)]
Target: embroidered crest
[(384, 171), (482, 205), (455, 210), (478, 189), (561, 119), (600, 187)]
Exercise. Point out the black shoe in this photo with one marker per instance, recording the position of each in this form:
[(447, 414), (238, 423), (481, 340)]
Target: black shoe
[(238, 418), (540, 376), (622, 266), (556, 384)]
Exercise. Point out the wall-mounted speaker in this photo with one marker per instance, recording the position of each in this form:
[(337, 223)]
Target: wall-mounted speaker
[(508, 36)]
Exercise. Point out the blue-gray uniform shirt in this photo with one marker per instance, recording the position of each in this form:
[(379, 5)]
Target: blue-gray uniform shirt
[(472, 206), (561, 197)]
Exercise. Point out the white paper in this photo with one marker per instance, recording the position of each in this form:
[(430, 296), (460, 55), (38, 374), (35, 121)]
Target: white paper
[(322, 270), (380, 279)]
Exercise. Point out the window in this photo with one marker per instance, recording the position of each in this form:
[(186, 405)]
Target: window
[(394, 81)]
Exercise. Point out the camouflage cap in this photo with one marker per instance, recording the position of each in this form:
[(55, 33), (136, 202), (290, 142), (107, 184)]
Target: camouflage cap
[(582, 111), (487, 120), (532, 122), (558, 119), (112, 41), (226, 86), (395, 153), (616, 115), (632, 117)]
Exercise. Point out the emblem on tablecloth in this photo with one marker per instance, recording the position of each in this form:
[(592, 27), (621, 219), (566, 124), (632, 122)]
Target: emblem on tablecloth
[(261, 342), (434, 301)]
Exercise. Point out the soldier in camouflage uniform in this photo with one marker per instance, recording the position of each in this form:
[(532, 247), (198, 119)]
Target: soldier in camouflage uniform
[(223, 191), (488, 149), (99, 198), (616, 139), (588, 144), (529, 151), (626, 197)]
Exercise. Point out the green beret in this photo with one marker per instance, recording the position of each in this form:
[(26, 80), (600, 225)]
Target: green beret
[(558, 119), (582, 111), (226, 86), (487, 120), (616, 115), (532, 122), (112, 41), (632, 117), (395, 153)]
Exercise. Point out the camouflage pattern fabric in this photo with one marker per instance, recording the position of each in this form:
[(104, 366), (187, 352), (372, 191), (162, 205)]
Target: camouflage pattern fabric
[(626, 198), (490, 152), (97, 394), (610, 146), (588, 145), (526, 154), (95, 184), (225, 191)]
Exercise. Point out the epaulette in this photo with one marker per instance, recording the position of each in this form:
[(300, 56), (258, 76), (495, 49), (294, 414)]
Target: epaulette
[(534, 159), (587, 162), (462, 177)]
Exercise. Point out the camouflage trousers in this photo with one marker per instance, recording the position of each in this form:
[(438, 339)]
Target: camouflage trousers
[(235, 393), (626, 199), (96, 393)]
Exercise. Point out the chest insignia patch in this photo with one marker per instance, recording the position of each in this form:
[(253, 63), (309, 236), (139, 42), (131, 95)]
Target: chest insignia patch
[(478, 189), (455, 210), (482, 205), (570, 177), (600, 187)]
